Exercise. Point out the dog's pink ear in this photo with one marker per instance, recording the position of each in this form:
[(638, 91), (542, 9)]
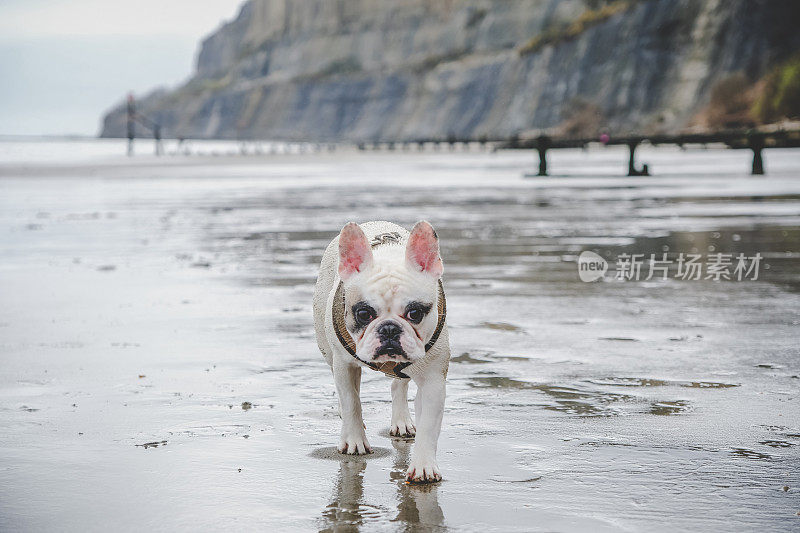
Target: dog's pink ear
[(422, 250), (355, 253)]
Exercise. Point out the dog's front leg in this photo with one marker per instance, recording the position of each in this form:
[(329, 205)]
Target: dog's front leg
[(428, 407), (347, 377)]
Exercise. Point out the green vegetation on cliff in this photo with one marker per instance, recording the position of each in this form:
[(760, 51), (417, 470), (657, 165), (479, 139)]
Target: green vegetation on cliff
[(780, 97), (565, 32)]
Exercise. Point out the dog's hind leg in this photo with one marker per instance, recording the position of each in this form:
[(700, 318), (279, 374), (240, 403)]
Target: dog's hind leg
[(402, 423)]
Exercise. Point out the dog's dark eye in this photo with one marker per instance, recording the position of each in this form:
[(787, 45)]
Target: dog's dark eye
[(414, 315), (416, 311), (364, 314)]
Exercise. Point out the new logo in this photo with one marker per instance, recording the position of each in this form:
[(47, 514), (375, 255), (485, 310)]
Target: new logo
[(591, 266)]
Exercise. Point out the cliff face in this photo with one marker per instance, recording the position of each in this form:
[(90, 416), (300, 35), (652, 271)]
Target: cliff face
[(370, 69)]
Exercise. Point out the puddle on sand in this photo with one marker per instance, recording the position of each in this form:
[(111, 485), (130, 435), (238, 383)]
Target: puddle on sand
[(630, 382), (566, 399), (587, 402), (330, 453), (650, 382), (477, 357), (606, 443), (528, 480), (154, 444), (471, 358), (749, 454), (669, 408), (776, 443), (708, 385), (500, 326)]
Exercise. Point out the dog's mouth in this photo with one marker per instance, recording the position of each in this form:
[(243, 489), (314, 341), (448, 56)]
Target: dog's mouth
[(390, 350)]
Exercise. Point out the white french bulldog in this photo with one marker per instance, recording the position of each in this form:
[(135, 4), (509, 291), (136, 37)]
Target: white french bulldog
[(379, 303)]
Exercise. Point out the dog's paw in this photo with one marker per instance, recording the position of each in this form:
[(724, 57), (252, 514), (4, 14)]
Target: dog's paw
[(403, 427), (423, 471), (354, 445)]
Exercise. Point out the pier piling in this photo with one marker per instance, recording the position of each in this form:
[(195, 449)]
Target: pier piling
[(756, 144), (542, 144), (632, 170), (131, 124)]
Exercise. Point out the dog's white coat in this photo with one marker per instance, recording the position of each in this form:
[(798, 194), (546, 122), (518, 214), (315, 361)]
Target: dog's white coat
[(428, 371)]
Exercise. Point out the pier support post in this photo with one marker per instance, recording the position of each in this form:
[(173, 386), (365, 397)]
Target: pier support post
[(632, 170), (157, 138), (756, 145), (542, 161), (131, 124), (542, 144), (631, 165)]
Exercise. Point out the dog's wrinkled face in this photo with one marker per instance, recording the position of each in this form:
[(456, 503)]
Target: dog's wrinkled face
[(390, 300)]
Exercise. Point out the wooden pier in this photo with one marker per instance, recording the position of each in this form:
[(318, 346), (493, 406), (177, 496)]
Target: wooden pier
[(755, 140), (752, 139)]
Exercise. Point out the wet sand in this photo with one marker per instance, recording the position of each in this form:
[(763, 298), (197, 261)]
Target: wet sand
[(159, 370)]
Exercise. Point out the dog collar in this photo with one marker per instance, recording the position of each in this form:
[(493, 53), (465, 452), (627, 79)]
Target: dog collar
[(390, 368)]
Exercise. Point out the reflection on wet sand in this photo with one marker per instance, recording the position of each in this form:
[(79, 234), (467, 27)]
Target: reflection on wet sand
[(346, 507), (669, 408), (417, 505), (572, 400)]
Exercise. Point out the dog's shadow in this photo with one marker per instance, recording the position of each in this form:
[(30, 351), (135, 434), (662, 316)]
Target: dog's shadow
[(417, 505)]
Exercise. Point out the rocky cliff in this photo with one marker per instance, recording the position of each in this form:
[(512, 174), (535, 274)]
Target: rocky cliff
[(406, 69)]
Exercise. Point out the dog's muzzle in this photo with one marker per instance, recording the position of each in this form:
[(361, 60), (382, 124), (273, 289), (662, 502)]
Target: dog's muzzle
[(389, 334)]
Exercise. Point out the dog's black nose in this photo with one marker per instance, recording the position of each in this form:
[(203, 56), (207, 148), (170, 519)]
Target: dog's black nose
[(389, 330)]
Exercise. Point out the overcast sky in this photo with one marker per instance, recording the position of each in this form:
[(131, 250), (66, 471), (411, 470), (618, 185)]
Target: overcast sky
[(64, 62)]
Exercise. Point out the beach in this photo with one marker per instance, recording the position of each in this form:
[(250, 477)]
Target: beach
[(158, 366)]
